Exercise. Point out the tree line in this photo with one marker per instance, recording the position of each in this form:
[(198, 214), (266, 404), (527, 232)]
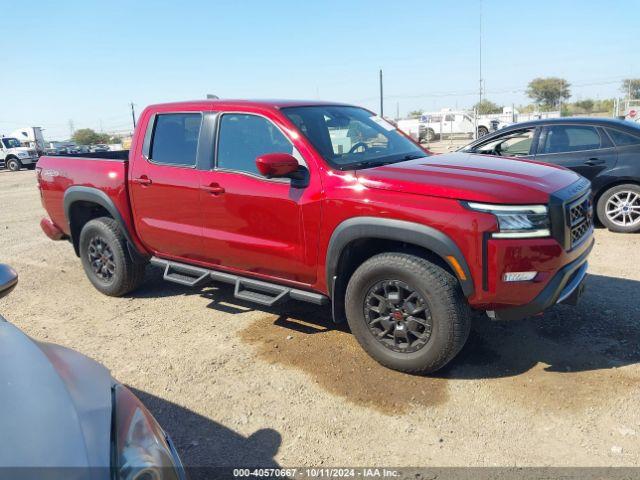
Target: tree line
[(552, 93), (88, 136)]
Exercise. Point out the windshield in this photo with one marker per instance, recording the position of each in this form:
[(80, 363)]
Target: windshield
[(351, 137), (11, 142)]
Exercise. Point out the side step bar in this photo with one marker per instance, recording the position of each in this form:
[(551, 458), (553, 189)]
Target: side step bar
[(248, 289)]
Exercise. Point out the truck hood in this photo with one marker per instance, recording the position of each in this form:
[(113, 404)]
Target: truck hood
[(55, 407), (471, 177), (17, 150)]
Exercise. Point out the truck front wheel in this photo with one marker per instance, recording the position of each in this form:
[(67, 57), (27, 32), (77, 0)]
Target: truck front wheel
[(13, 164), (106, 259), (482, 131), (407, 313), (429, 135)]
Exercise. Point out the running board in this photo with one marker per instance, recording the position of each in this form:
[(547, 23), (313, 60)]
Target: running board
[(248, 289)]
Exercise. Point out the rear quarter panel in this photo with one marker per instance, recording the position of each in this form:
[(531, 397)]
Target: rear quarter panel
[(57, 174)]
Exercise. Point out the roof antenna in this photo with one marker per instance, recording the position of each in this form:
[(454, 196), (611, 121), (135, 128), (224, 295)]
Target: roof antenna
[(211, 96)]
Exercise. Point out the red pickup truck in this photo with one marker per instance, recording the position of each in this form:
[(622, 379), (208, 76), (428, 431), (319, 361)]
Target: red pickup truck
[(326, 203)]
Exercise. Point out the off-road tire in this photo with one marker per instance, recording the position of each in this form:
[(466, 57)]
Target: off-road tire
[(449, 310), (13, 164), (602, 208), (127, 274), (482, 131)]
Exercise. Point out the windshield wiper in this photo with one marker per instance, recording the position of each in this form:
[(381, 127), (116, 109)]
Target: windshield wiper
[(379, 163), (364, 164), (412, 156)]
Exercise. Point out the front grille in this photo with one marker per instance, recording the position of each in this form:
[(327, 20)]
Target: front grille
[(580, 219), (32, 153)]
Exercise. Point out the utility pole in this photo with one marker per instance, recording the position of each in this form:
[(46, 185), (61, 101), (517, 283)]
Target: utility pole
[(71, 129), (477, 110), (133, 115), (480, 65), (397, 110), (381, 101)]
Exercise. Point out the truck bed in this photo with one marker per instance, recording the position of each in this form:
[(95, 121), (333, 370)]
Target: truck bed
[(103, 171), (111, 155)]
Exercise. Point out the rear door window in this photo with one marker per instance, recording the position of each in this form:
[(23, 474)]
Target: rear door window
[(622, 139), (571, 138), (175, 139)]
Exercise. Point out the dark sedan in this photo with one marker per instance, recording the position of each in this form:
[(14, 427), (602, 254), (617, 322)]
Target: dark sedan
[(606, 151)]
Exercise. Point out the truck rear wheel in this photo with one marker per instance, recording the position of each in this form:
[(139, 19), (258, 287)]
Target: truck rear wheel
[(14, 164), (106, 259), (407, 313)]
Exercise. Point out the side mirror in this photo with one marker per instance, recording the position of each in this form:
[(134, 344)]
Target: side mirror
[(8, 279), (277, 165)]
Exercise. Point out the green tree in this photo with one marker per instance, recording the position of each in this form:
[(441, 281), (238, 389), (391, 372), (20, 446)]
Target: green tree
[(487, 106), (606, 105), (585, 105), (631, 87), (87, 136), (548, 92), (415, 113)]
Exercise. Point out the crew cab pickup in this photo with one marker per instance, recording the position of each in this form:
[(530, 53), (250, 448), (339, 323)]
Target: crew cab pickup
[(326, 203)]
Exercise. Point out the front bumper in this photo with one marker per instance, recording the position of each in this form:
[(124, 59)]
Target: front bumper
[(566, 286), (28, 160)]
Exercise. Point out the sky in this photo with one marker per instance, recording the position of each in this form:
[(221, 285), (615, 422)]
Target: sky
[(84, 61)]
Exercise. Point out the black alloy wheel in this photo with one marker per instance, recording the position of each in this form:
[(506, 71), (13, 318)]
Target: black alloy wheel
[(398, 316), (101, 259)]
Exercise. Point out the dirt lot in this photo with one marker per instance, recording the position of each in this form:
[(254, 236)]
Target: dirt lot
[(236, 385)]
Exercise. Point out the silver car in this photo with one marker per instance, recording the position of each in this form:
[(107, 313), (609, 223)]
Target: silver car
[(62, 415)]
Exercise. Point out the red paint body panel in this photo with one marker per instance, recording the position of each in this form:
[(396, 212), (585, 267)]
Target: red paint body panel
[(267, 229), (50, 229), (476, 178), (56, 174)]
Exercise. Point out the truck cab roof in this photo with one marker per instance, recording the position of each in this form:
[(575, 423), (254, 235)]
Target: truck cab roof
[(244, 103)]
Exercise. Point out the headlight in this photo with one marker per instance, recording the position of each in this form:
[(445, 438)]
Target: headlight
[(517, 221), (23, 154), (141, 448)]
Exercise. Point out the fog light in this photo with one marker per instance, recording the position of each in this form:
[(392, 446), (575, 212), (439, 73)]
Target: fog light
[(519, 276)]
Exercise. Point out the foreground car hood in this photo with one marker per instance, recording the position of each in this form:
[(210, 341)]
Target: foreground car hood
[(464, 176), (55, 407)]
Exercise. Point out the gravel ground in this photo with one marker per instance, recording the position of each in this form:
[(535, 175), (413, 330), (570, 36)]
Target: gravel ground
[(238, 385)]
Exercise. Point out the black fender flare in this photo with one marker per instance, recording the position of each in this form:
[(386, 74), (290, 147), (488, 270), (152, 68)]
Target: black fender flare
[(399, 230), (79, 193)]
